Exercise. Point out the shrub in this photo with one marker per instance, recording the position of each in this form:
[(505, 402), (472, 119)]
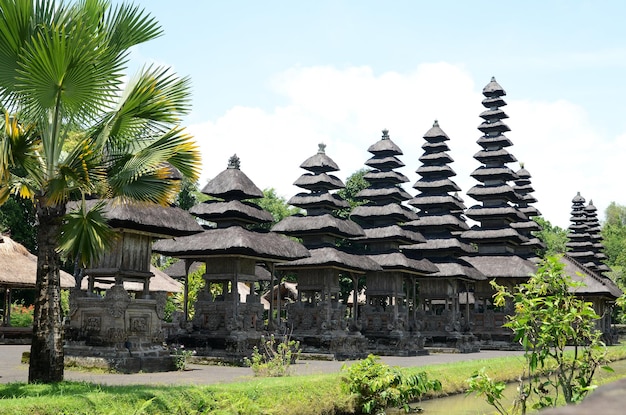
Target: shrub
[(181, 356), (378, 386), (276, 357), (21, 315)]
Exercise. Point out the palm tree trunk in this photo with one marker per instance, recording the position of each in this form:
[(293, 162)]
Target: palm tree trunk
[(46, 352)]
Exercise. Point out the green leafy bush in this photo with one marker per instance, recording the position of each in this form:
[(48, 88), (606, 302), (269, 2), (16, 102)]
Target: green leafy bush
[(21, 315), (276, 357), (378, 386)]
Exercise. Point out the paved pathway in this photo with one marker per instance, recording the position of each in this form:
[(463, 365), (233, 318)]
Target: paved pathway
[(12, 370)]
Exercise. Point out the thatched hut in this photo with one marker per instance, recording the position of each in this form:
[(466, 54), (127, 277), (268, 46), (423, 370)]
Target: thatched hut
[(18, 269)]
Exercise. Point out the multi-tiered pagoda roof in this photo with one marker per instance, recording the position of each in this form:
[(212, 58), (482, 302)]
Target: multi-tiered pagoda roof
[(440, 216)]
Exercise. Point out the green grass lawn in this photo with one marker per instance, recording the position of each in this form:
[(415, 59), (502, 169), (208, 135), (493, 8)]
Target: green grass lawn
[(306, 395)]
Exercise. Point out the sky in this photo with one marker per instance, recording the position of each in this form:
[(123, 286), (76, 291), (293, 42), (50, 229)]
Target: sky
[(273, 79)]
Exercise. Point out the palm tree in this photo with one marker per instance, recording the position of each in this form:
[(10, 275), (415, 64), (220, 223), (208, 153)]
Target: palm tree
[(72, 129)]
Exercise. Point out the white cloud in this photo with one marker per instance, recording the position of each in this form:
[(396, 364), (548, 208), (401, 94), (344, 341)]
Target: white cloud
[(347, 108)]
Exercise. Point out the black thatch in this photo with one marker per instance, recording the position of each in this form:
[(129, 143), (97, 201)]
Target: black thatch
[(594, 284), (396, 261), (493, 89), (320, 163), (458, 269), (422, 201), (438, 221), (329, 257), (490, 173), (232, 241), (160, 221), (297, 225), (326, 200), (497, 141), (319, 181), (494, 114), (384, 163), (448, 244), (444, 185), (391, 233), (216, 211), (386, 176), (177, 269), (480, 213), (385, 147), (441, 171), (232, 184), (395, 193), (394, 211), (490, 235), (504, 191), (502, 266)]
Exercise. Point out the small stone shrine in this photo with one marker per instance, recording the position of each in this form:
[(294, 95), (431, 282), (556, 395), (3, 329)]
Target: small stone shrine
[(442, 314), (223, 322), (392, 293), (319, 318), (120, 330)]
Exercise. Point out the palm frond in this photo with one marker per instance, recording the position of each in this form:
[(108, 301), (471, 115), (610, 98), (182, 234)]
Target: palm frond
[(85, 234), (129, 26), (153, 187)]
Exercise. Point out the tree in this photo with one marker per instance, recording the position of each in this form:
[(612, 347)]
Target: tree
[(554, 237), (68, 132), (548, 318), (354, 184), (276, 205), (17, 217)]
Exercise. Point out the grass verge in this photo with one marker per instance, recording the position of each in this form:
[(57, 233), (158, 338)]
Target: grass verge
[(306, 395)]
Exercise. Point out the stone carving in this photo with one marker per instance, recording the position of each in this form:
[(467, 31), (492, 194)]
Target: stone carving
[(139, 325), (92, 324), (117, 300), (116, 335), (161, 301)]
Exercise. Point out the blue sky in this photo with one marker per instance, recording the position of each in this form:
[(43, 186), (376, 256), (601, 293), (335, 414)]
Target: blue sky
[(272, 79)]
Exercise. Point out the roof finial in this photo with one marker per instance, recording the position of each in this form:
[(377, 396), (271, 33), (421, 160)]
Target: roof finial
[(436, 123), (385, 134), (233, 162), (493, 79), (321, 148)]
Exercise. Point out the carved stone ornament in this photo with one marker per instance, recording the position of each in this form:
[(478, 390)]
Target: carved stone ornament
[(161, 301), (117, 300)]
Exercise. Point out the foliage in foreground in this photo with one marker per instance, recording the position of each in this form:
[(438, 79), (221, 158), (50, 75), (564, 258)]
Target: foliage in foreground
[(295, 395), (276, 357), (548, 318), (377, 386)]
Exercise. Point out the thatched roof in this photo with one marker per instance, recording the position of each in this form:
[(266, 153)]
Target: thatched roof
[(387, 193), (457, 269), (449, 244), (160, 221), (307, 201), (384, 163), (385, 146), (297, 225), (18, 267), (393, 211), (230, 241), (386, 176), (319, 181), (218, 211), (397, 261), (329, 257), (320, 162), (160, 282), (435, 134), (502, 266), (501, 154), (595, 284), (177, 270), (422, 201), (439, 222), (232, 184), (392, 233)]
